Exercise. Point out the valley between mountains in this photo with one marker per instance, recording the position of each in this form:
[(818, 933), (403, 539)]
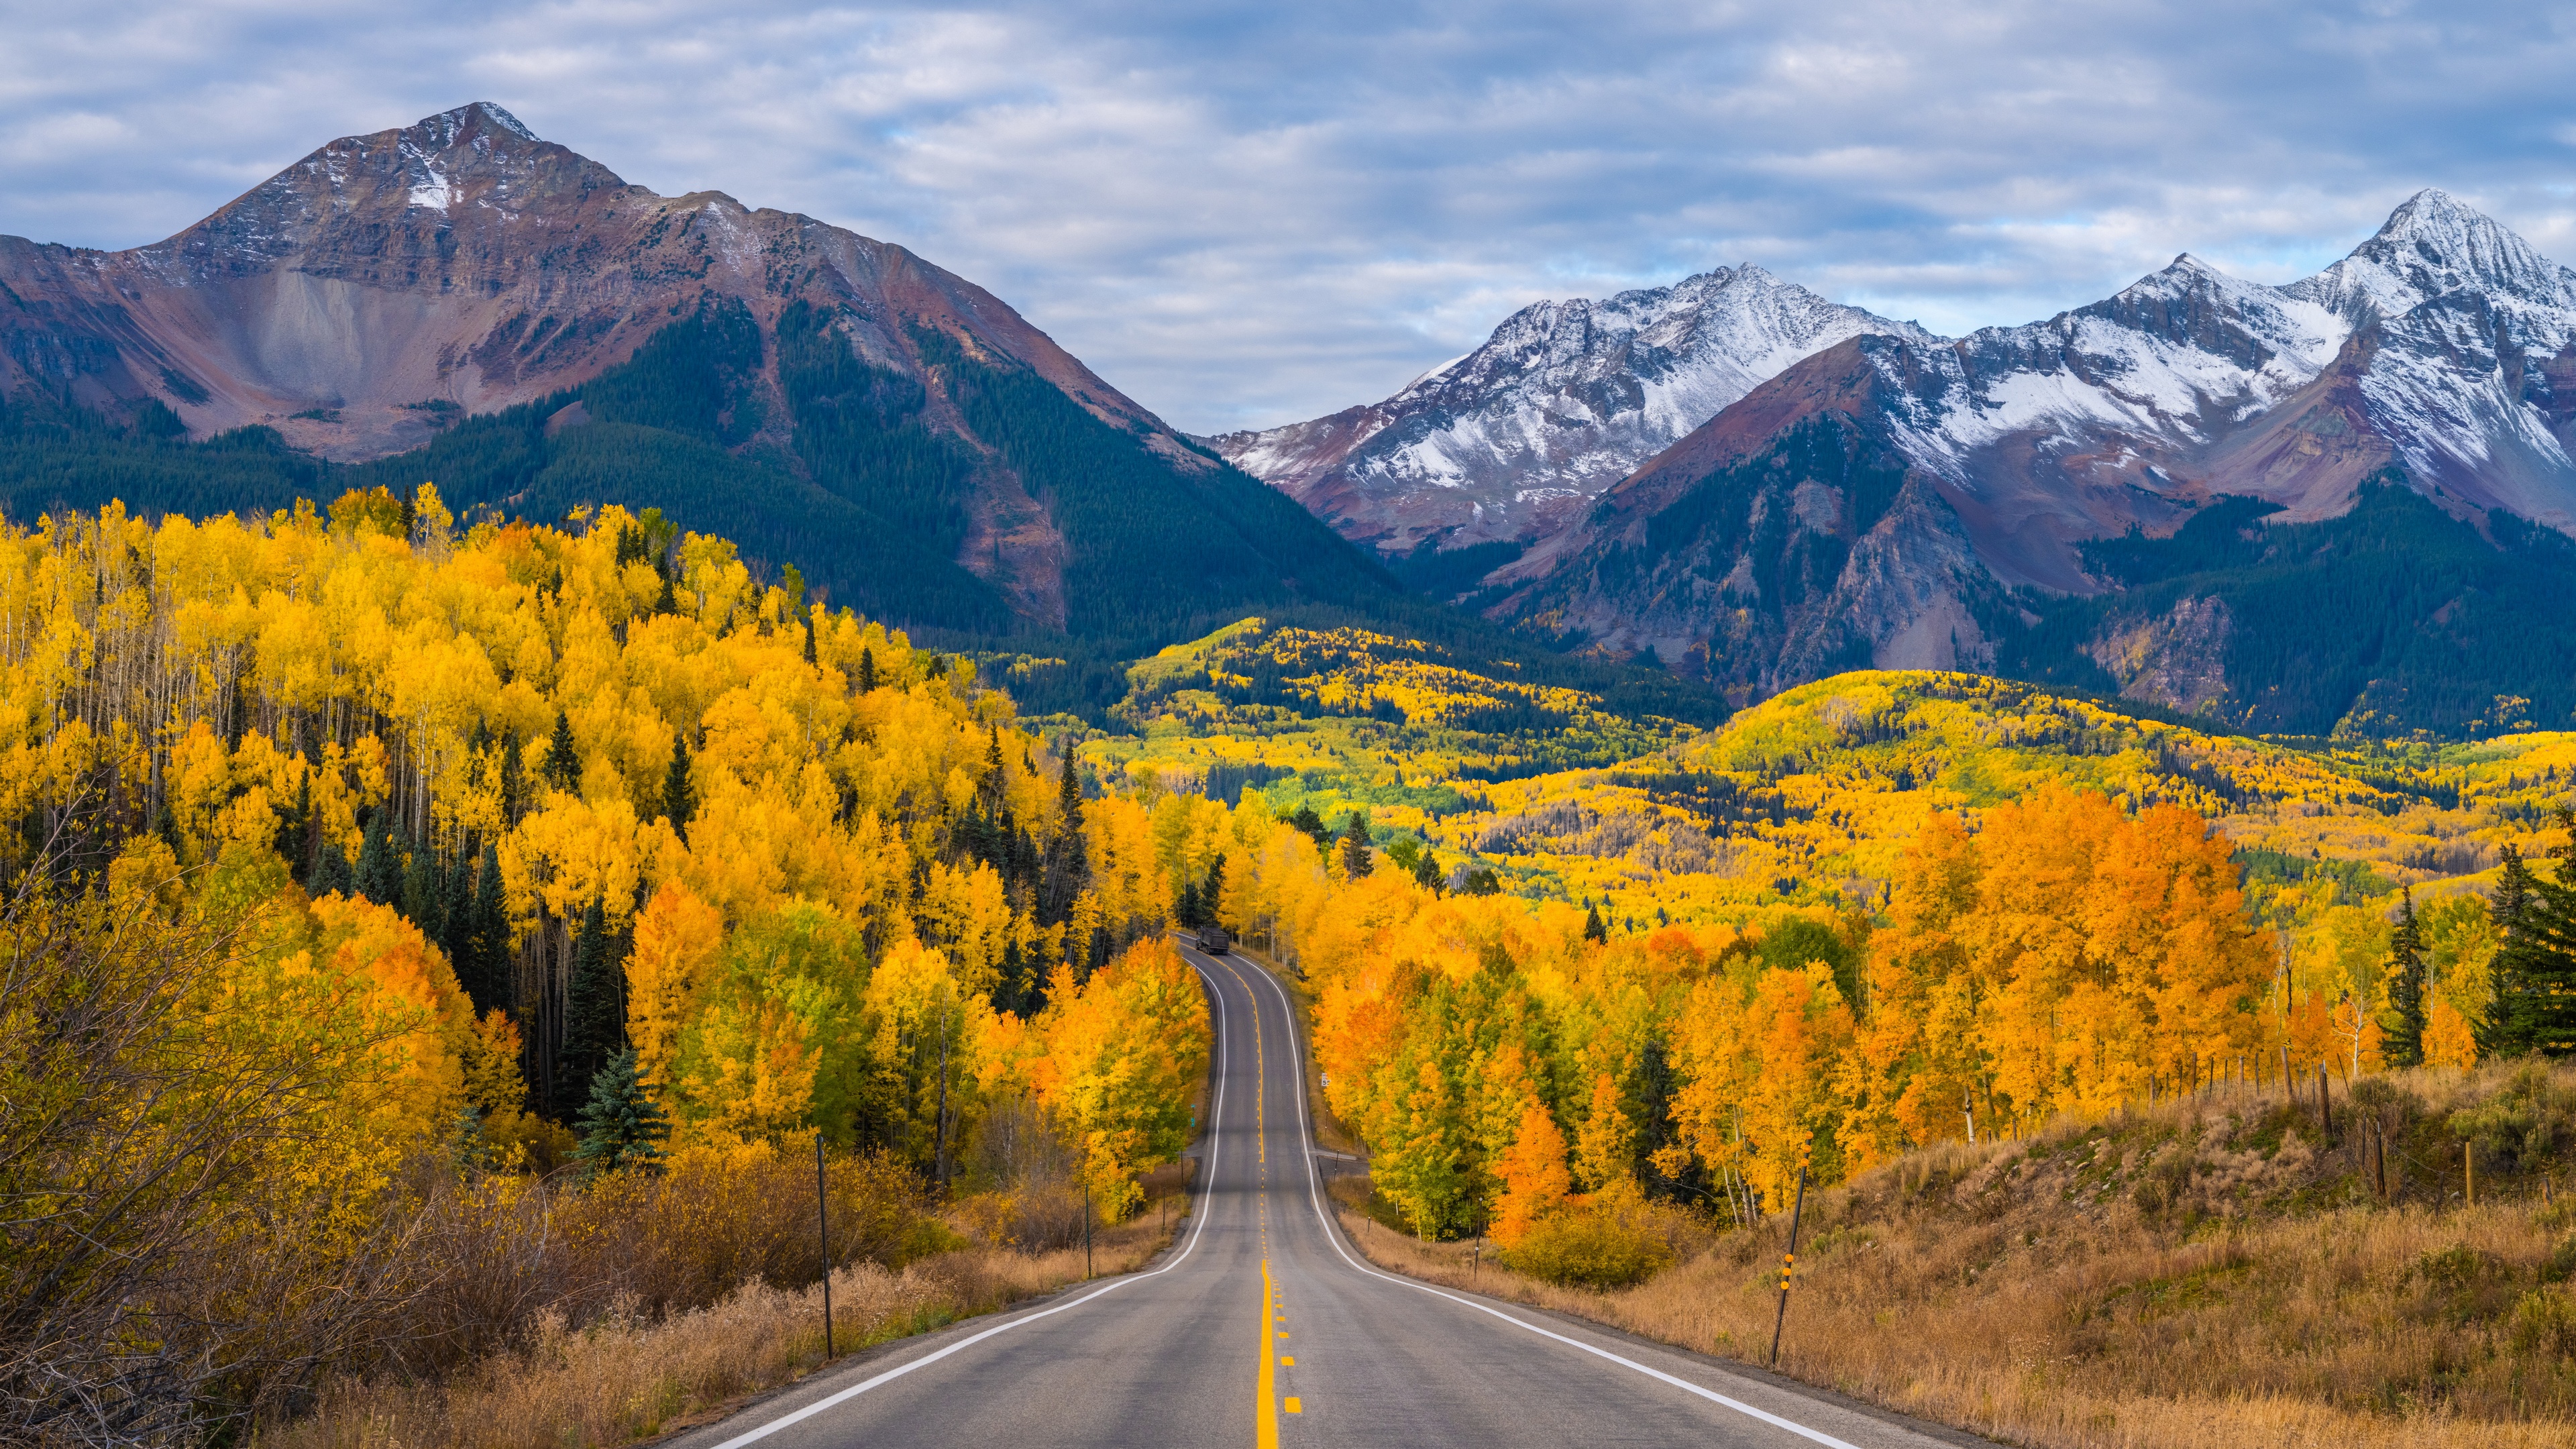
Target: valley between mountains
[(632, 819)]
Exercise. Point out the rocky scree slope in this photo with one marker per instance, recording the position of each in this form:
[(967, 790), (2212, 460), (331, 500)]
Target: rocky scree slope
[(2003, 499), (513, 320)]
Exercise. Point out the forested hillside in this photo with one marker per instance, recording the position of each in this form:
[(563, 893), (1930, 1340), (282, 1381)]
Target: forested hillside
[(804, 453), (363, 866), (2392, 619), (1879, 911), (397, 898)]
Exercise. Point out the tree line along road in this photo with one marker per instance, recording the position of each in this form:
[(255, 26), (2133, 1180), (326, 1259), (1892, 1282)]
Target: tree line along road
[(1262, 1326)]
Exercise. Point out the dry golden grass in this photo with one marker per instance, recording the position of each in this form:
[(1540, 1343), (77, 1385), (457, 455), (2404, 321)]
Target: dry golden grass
[(2210, 1274), (631, 1375)]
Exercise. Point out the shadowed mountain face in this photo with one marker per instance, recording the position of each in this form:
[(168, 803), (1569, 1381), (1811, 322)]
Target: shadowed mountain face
[(1913, 502), (461, 301)]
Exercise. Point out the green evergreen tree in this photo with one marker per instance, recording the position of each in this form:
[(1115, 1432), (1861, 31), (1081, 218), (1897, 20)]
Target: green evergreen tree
[(1313, 824), (2534, 969), (514, 777), (1212, 891), (456, 926), (679, 795), (424, 890), (563, 756), (1066, 866), (809, 640), (490, 933), (1426, 873), (1356, 861), (2404, 1044), (330, 870), (667, 601), (867, 670), (594, 1012), (621, 1125), (379, 869), (1593, 930), (1185, 911)]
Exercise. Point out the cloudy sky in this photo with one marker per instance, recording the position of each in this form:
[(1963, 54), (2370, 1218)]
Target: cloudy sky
[(1246, 215)]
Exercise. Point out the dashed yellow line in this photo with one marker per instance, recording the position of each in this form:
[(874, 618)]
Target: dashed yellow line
[(1265, 1416)]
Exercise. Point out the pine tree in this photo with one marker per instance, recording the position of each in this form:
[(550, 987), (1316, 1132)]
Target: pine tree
[(1066, 868), (621, 1125), (330, 870), (1593, 930), (2404, 1045), (1355, 847), (809, 639), (563, 757), (456, 928), (1185, 912), (2534, 970), (379, 874), (679, 796), (491, 932), (1212, 893), (1313, 824), (867, 670), (594, 1013), (1426, 873)]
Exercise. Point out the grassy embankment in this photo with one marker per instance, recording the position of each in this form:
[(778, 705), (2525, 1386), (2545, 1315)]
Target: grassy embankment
[(2220, 1271), (627, 1377)]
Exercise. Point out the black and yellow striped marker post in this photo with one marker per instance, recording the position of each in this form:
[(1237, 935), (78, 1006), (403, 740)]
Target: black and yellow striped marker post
[(1789, 1259)]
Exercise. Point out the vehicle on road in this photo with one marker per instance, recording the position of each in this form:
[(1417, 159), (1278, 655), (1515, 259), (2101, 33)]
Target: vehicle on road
[(1213, 940)]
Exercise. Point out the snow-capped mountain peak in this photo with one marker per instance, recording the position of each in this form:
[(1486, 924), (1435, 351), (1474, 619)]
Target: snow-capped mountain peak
[(2430, 246), (1510, 441)]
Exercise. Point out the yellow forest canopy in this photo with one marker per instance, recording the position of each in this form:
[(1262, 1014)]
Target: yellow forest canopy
[(515, 798)]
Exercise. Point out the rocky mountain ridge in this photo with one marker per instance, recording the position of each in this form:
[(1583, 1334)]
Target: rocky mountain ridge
[(1509, 443), (398, 290), (2436, 358)]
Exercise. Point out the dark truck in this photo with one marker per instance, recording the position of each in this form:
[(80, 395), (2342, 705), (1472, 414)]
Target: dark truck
[(1213, 940)]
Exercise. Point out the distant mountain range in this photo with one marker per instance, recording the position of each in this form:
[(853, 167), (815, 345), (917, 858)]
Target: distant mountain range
[(2339, 504), (1512, 442), (2390, 438), (462, 302)]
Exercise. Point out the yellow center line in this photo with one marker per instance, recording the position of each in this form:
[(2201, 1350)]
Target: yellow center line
[(1265, 1415)]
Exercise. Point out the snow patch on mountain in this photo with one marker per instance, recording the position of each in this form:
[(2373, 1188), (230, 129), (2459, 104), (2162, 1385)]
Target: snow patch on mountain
[(2444, 323), (1566, 398)]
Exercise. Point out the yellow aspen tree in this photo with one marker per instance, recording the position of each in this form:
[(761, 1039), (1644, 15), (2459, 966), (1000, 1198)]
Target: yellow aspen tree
[(1606, 1145), (1534, 1177), (677, 940)]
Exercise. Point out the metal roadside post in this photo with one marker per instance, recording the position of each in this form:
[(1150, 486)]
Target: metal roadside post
[(1789, 1259), (823, 1231)]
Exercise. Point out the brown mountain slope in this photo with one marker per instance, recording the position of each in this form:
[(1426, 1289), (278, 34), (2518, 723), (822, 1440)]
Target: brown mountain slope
[(461, 260), (904, 435)]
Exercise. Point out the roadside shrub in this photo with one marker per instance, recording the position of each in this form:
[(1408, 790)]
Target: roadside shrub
[(1590, 1248), (2545, 1322)]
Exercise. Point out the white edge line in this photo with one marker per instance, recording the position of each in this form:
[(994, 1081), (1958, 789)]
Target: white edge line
[(1207, 1194), (1314, 1193)]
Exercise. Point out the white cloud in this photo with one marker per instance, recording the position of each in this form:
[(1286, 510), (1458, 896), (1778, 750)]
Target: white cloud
[(1247, 214)]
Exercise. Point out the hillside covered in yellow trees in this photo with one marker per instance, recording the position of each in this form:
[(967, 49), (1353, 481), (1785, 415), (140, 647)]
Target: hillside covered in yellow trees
[(1876, 912), (348, 843), (394, 899)]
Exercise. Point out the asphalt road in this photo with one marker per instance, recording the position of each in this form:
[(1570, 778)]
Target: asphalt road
[(1263, 1327)]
